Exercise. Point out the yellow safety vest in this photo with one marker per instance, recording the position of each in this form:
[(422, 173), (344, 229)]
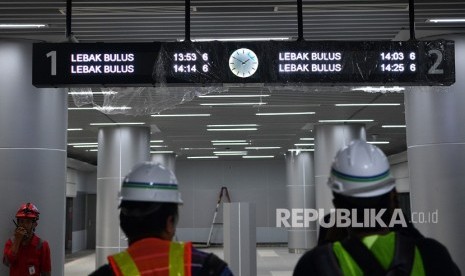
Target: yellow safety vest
[(153, 257)]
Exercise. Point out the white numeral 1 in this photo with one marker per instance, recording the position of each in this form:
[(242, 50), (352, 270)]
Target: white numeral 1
[(53, 54)]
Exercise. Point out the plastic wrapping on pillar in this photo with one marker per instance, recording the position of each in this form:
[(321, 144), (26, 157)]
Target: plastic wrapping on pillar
[(172, 73), (436, 156), (120, 148), (167, 160), (330, 138), (32, 150), (301, 195)]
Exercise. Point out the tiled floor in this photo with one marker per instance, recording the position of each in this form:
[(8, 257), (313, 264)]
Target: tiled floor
[(271, 261)]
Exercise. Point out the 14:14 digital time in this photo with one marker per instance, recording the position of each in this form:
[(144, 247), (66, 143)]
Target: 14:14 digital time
[(179, 68)]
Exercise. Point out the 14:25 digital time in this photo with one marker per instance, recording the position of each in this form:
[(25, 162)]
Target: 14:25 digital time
[(397, 67)]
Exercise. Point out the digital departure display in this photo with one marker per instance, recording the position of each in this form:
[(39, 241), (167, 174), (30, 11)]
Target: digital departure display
[(189, 63), (99, 64), (402, 62), (271, 63)]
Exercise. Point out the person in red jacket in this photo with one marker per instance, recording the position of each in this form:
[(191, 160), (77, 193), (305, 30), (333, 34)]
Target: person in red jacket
[(25, 253)]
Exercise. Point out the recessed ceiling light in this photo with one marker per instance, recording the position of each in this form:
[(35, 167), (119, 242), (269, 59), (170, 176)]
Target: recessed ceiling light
[(446, 20), (110, 108), (234, 125), (233, 129), (230, 144), (369, 104), (116, 124), (241, 39), (346, 121), (156, 141), (230, 152), (228, 141), (298, 150), (307, 139), (284, 113), (162, 151), (304, 145), (92, 93), (23, 26), (103, 108), (85, 146), (202, 157), (81, 108), (231, 104), (393, 126), (78, 144), (158, 146), (74, 129), (181, 115), (261, 148), (198, 148), (379, 89), (378, 142), (234, 96), (257, 156)]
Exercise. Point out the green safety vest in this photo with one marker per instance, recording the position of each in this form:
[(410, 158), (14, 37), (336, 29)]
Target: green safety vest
[(382, 247)]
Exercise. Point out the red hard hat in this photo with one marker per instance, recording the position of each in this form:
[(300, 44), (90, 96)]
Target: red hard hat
[(28, 210)]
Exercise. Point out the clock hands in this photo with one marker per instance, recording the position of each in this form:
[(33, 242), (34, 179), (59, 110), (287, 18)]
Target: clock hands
[(242, 62), (238, 60)]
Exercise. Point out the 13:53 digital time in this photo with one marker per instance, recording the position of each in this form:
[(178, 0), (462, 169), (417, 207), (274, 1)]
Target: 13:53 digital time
[(190, 62)]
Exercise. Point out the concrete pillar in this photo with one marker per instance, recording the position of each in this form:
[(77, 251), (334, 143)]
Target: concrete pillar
[(300, 195), (120, 148), (240, 242), (436, 156), (329, 139), (33, 126), (167, 160)]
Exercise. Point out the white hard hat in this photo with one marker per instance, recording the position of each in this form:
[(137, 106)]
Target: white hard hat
[(360, 170), (151, 182)]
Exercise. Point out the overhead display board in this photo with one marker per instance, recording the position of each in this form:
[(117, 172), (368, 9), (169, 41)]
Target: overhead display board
[(270, 62)]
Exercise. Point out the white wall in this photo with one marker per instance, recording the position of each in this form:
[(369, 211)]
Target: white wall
[(81, 178), (71, 182), (262, 182)]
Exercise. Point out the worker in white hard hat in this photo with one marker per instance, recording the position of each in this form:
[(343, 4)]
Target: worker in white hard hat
[(148, 217), (360, 180), (363, 171)]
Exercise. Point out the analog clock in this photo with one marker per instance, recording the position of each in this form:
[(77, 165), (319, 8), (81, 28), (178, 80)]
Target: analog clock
[(243, 62)]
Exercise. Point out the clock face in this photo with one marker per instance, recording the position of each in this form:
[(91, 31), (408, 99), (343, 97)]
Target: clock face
[(243, 62)]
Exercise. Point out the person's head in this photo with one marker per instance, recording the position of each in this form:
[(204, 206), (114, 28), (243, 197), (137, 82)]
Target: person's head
[(149, 202), (360, 179), (27, 217)]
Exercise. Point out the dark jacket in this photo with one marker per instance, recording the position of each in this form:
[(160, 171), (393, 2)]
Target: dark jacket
[(436, 259)]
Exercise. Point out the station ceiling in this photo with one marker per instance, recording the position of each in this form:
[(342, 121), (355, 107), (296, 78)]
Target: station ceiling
[(145, 21)]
